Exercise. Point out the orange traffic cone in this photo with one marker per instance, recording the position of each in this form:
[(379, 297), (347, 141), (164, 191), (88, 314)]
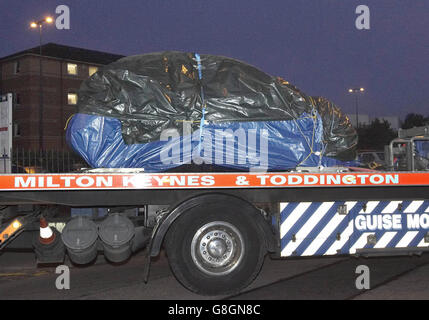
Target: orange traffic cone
[(47, 236)]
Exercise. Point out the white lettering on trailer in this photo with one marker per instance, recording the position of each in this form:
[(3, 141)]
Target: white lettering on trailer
[(378, 222), (376, 179), (207, 180), (392, 179), (137, 181), (373, 222), (416, 221), (310, 179), (178, 181), (349, 179), (263, 180), (278, 180), (161, 181), (28, 182), (67, 181), (50, 184), (173, 181), (328, 179), (295, 180), (193, 181), (333, 179), (144, 181), (362, 178), (85, 181), (413, 221), (104, 181)]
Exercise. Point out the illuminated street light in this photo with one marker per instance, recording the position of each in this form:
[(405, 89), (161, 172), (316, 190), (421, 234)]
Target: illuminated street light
[(356, 91), (34, 25)]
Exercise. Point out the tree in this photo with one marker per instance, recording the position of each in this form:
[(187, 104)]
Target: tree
[(414, 120), (375, 135)]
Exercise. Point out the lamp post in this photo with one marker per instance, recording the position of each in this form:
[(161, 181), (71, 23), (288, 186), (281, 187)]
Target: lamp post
[(356, 92), (35, 25)]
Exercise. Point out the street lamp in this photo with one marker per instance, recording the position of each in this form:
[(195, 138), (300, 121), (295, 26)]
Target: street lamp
[(35, 25), (356, 92)]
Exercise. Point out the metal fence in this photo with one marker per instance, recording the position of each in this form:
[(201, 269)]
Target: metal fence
[(44, 161)]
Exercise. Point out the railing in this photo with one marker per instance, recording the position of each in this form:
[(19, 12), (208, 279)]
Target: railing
[(44, 161)]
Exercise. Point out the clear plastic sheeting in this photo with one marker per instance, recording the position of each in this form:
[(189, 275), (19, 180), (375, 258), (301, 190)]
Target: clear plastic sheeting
[(160, 111)]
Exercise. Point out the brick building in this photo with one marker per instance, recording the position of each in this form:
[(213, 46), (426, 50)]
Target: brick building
[(63, 70)]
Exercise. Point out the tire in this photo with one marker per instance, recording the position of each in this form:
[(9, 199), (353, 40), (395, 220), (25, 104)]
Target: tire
[(215, 248)]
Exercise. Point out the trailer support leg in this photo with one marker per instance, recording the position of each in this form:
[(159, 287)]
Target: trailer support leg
[(146, 268)]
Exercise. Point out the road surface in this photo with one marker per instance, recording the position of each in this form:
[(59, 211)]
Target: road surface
[(331, 278)]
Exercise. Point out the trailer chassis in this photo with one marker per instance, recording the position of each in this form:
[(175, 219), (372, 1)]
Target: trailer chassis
[(238, 218)]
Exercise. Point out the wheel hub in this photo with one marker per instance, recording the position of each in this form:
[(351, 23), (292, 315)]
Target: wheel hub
[(217, 248)]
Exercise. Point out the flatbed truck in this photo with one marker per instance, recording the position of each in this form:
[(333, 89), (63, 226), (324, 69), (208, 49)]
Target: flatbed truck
[(217, 228)]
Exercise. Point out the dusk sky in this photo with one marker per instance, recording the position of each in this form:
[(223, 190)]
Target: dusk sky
[(314, 44)]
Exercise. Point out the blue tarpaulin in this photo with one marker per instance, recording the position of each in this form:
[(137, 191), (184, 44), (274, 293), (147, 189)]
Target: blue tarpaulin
[(264, 145)]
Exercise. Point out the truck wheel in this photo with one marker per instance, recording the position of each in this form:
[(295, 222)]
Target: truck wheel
[(215, 249)]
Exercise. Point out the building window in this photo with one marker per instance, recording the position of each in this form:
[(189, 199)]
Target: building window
[(72, 98), (92, 70), (17, 67), (72, 69)]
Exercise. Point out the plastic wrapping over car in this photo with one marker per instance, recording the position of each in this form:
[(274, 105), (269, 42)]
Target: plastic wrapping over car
[(339, 137), (162, 110)]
